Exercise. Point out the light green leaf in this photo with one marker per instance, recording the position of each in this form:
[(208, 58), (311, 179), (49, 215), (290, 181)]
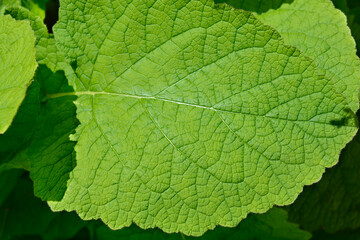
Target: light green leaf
[(37, 25), (320, 30), (270, 226), (333, 204), (46, 51), (353, 14), (17, 66), (191, 115)]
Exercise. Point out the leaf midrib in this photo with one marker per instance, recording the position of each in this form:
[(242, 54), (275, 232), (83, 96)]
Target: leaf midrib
[(140, 97)]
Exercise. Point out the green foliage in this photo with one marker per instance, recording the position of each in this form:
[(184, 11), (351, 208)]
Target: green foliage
[(179, 116), (17, 66), (162, 143)]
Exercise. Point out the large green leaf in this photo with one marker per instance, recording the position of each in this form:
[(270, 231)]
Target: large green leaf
[(17, 66), (191, 115), (352, 10), (320, 30)]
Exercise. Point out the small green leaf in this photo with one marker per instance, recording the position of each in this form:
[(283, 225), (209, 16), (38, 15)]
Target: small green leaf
[(46, 51), (4, 4), (37, 7), (17, 66)]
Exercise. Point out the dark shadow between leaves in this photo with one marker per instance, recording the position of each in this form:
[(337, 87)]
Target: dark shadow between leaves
[(258, 6), (51, 151), (349, 119), (52, 14), (24, 216), (21, 131), (38, 139)]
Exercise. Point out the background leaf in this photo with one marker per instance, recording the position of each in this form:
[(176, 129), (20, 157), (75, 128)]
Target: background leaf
[(321, 32), (17, 66)]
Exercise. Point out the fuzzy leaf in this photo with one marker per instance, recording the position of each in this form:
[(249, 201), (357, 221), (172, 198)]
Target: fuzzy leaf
[(191, 115)]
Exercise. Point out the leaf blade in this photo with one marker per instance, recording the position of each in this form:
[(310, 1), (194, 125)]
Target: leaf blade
[(184, 129)]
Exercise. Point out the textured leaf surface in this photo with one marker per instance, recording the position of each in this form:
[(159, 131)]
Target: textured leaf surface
[(270, 226), (320, 30), (333, 204), (17, 66), (191, 115), (46, 51)]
